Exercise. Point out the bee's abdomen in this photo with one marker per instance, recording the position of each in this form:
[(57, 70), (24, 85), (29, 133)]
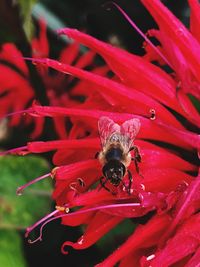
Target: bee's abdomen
[(114, 154)]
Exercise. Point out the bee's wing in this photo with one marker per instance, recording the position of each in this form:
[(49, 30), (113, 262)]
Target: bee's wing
[(106, 128), (129, 130)]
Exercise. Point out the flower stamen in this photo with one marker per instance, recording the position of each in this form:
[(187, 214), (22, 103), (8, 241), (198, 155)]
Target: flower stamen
[(19, 151), (21, 188), (141, 33), (66, 210), (62, 208)]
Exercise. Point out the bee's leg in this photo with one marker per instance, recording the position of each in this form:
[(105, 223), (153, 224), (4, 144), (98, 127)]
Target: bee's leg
[(130, 181), (137, 158), (136, 165), (103, 185), (137, 155), (96, 155)]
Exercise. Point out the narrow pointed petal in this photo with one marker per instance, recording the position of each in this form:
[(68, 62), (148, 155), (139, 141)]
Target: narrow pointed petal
[(186, 206), (142, 103), (194, 18), (11, 54), (69, 54), (78, 219), (99, 225), (161, 131), (195, 260), (154, 158), (129, 67), (184, 243), (170, 25), (164, 179), (40, 146), (40, 45), (144, 236), (65, 175)]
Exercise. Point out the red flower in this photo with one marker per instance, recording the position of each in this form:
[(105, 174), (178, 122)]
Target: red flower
[(168, 182), (17, 92)]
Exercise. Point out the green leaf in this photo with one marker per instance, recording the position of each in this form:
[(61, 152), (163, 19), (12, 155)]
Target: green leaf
[(20, 211), (26, 9), (11, 249)]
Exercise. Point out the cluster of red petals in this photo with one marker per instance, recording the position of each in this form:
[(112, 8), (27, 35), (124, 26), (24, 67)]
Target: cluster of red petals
[(17, 90), (169, 144)]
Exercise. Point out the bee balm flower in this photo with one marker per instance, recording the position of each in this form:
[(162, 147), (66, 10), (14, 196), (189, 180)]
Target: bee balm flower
[(167, 186)]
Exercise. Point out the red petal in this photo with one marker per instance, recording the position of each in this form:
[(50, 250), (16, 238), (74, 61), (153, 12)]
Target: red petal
[(144, 236), (78, 219), (39, 147), (10, 53), (85, 60), (154, 158), (133, 258), (175, 251), (93, 197), (194, 261), (173, 28), (99, 225), (180, 64), (130, 68), (150, 129), (74, 170), (140, 103), (186, 206), (194, 18), (60, 127), (163, 180), (184, 243), (40, 46), (65, 175), (69, 54), (38, 127)]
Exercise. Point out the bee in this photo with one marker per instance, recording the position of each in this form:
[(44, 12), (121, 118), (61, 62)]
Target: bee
[(115, 157)]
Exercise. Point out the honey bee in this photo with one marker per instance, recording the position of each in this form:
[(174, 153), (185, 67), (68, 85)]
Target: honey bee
[(115, 157)]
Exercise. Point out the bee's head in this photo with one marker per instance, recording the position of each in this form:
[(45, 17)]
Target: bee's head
[(114, 171)]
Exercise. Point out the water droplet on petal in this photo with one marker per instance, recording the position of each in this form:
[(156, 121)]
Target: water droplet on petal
[(180, 31), (150, 257), (80, 241)]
